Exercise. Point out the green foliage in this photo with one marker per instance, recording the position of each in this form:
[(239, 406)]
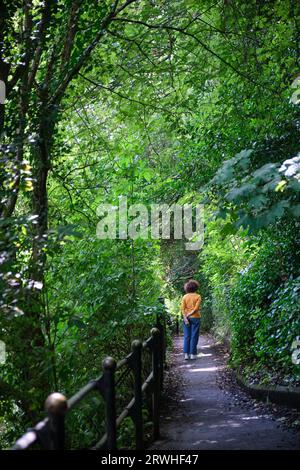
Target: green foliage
[(265, 306), (162, 102), (224, 255), (257, 199)]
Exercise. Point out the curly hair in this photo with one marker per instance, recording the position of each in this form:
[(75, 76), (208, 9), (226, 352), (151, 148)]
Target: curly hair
[(191, 286)]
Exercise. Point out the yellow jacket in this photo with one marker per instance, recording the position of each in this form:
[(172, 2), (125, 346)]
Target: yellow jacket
[(191, 302)]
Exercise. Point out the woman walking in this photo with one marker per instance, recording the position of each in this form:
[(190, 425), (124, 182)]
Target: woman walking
[(190, 308)]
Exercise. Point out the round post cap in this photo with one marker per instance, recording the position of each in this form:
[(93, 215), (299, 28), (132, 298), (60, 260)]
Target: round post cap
[(109, 363), (56, 404), (155, 331), (136, 344)]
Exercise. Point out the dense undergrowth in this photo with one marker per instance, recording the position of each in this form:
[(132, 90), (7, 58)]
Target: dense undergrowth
[(160, 103)]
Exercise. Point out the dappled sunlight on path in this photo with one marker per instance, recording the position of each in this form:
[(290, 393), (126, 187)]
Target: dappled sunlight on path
[(207, 418)]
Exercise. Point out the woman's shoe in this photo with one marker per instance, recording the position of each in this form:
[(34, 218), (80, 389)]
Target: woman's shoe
[(193, 356), (186, 356)]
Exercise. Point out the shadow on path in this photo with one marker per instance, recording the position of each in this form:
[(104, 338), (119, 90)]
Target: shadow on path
[(205, 417)]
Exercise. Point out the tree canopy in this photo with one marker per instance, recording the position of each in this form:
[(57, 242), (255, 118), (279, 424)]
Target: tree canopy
[(179, 101)]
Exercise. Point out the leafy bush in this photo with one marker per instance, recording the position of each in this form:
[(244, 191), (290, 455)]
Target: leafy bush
[(265, 306)]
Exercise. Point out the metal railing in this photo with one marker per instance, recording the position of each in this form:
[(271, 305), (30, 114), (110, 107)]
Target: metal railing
[(50, 433)]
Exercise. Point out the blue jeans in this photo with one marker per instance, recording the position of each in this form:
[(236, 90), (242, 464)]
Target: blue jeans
[(191, 336)]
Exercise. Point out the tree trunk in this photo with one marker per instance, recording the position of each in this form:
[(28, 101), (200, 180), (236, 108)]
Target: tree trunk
[(34, 334)]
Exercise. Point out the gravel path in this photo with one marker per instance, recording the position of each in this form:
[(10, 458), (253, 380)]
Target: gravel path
[(202, 415)]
